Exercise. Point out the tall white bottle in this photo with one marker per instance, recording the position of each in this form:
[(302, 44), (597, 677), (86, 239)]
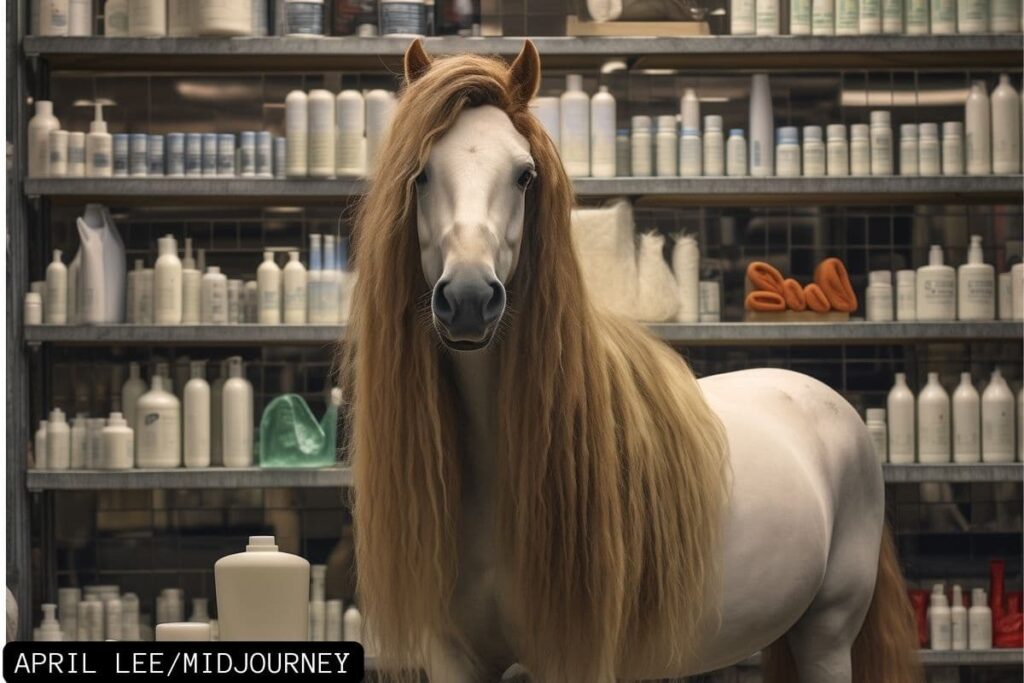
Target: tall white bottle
[(762, 127), (58, 441), (958, 617), (966, 421), (979, 622), (39, 127), (686, 268), (997, 412), (1006, 125), (933, 422), (901, 412), (972, 16), (296, 123), (574, 108), (214, 292), (940, 624), (350, 112), (295, 288), (268, 286), (380, 108), (191, 287), (978, 124), (689, 109), (55, 312), (322, 144), (237, 417), (742, 20), (767, 17), (314, 289), (131, 390), (118, 446), (147, 18), (197, 417), (99, 148), (167, 291), (158, 428), (936, 289), (976, 286), (602, 134), (217, 415), (329, 282)]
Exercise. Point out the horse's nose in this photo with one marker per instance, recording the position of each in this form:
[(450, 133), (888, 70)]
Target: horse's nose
[(468, 306)]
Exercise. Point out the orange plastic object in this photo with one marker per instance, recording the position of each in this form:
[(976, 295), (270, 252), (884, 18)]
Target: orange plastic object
[(834, 281), (765, 302), (765, 277), (794, 294), (816, 299)]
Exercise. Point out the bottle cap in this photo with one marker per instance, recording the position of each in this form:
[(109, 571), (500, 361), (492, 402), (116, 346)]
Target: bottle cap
[(928, 130), (974, 253), (906, 277), (33, 298), (880, 277), (44, 107), (876, 414), (713, 122), (951, 128), (667, 123), (908, 130), (738, 132), (167, 245), (787, 135), (640, 123), (880, 117), (213, 269), (812, 133), (935, 255), (293, 256), (261, 544), (56, 415), (836, 131), (116, 419), (98, 125), (859, 131), (574, 82)]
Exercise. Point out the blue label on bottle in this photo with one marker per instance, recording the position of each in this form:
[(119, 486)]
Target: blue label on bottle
[(100, 160), (76, 155)]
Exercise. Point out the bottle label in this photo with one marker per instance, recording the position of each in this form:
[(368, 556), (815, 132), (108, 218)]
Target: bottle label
[(55, 156), (938, 290), (305, 18), (76, 155), (997, 431), (981, 290), (403, 17), (100, 160)]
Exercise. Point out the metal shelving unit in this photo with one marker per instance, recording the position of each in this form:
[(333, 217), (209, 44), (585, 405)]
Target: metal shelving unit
[(705, 191), (702, 334), (1000, 657), (953, 473)]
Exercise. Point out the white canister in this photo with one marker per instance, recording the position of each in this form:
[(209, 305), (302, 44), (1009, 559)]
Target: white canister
[(304, 17), (736, 154), (787, 152), (714, 146), (952, 148), (403, 17), (879, 296), (223, 18), (321, 162), (837, 152), (147, 18), (813, 152), (666, 162), (641, 162), (881, 143), (929, 158), (691, 154), (906, 295), (909, 147)]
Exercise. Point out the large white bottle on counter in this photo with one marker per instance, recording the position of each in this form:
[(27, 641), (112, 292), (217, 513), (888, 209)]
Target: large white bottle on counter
[(158, 427), (58, 441), (997, 411), (936, 289), (55, 312), (762, 127), (197, 417), (574, 107), (978, 124), (295, 290), (1006, 125), (966, 421), (933, 422), (237, 417), (901, 413), (167, 292), (602, 134), (262, 594), (39, 127), (268, 288), (976, 286)]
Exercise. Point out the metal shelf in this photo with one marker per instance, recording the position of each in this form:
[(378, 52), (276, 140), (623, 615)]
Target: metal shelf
[(1000, 657), (380, 54), (702, 334), (974, 472), (705, 191), (205, 478)]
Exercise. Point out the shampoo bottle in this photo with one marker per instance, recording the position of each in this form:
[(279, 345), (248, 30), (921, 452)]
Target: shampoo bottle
[(879, 434), (58, 441), (197, 417), (56, 309), (297, 134), (268, 284), (118, 445), (933, 422), (295, 287), (322, 143), (936, 288), (191, 287), (214, 289), (158, 428), (978, 122), (602, 134), (380, 107), (575, 127), (167, 290), (237, 417), (958, 618), (350, 110), (131, 390), (979, 622), (1006, 125), (966, 421), (39, 127), (762, 127), (939, 621), (99, 148), (997, 411), (900, 409), (976, 286)]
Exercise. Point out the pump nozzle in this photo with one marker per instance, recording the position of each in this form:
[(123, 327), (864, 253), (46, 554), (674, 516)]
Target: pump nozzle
[(98, 125)]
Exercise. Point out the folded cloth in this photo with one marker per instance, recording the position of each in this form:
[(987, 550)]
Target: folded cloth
[(794, 294), (765, 302), (816, 299), (834, 281), (765, 277)]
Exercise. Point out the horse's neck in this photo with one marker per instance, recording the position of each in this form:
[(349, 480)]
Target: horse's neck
[(475, 375)]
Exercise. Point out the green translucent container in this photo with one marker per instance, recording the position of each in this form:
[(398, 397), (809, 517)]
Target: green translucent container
[(291, 436)]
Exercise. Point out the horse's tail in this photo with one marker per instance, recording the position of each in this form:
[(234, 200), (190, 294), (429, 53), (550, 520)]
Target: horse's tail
[(885, 650)]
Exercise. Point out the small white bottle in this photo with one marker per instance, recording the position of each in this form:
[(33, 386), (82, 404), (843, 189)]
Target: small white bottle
[(972, 16), (689, 109), (978, 123), (1005, 296), (237, 417), (666, 146), (76, 154), (787, 152), (214, 290), (901, 411), (767, 17), (958, 617), (952, 148), (50, 17), (878, 432), (191, 287), (99, 148), (268, 283), (131, 390), (58, 441), (800, 17), (158, 428), (879, 296), (296, 117), (823, 17), (33, 311), (39, 128), (966, 421), (762, 128), (1006, 125), (979, 622), (881, 143), (686, 268), (997, 410), (295, 287), (79, 441), (118, 446), (714, 146), (380, 107), (322, 144), (847, 17), (933, 422), (1005, 16), (691, 153), (39, 446), (940, 624), (147, 18), (742, 18), (196, 397), (943, 16), (350, 111), (641, 162), (49, 630), (58, 146), (167, 290), (860, 150), (917, 23), (574, 106), (936, 289), (929, 158), (892, 16), (870, 17), (909, 150), (736, 154), (813, 152), (353, 625), (330, 282), (976, 286), (602, 134), (837, 153), (55, 311), (335, 631)]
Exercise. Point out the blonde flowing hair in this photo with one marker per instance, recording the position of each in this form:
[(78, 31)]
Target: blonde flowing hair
[(612, 469)]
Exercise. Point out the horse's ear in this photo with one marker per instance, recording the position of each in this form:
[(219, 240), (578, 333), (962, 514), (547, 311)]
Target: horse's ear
[(524, 74), (416, 61)]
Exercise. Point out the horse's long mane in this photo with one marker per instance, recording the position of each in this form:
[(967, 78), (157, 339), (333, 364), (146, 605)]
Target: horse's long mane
[(612, 469)]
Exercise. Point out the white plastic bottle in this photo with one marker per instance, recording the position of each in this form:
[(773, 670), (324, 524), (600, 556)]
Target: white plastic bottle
[(972, 16), (997, 411), (1006, 127), (787, 152), (158, 428), (329, 282), (58, 146), (879, 434), (847, 17), (666, 147), (322, 145), (837, 153), (131, 390), (602, 134), (214, 290), (181, 17), (49, 630), (978, 123), (167, 291), (976, 286), (870, 17), (1016, 291), (55, 311), (761, 128), (350, 112), (548, 112), (237, 417), (936, 289), (268, 283), (714, 146), (314, 295), (1005, 16), (686, 268), (147, 18), (901, 411), (191, 287), (767, 18), (39, 446), (929, 158), (813, 152), (118, 445), (58, 441), (295, 287), (79, 441), (958, 618), (1005, 296), (353, 625), (917, 23), (640, 147), (115, 18), (76, 154), (966, 421), (742, 18), (823, 17), (800, 17), (296, 117), (940, 625), (39, 127), (689, 109), (196, 397), (736, 154), (943, 16), (952, 148), (881, 143), (690, 153), (380, 107), (892, 16), (909, 150), (53, 17), (933, 422), (860, 150), (979, 622), (575, 127), (99, 148), (879, 299)]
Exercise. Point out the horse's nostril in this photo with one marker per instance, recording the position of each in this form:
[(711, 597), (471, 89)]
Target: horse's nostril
[(495, 305), (444, 307)]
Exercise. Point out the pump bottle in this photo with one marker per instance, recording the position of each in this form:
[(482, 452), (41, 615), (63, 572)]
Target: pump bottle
[(936, 288), (99, 147), (976, 286)]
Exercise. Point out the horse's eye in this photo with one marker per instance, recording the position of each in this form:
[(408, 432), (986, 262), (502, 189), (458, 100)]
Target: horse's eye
[(526, 178), (421, 179)]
